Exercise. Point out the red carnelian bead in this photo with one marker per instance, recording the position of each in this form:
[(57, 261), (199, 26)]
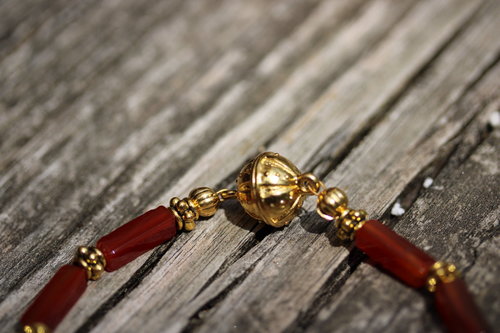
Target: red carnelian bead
[(137, 236), (457, 308), (57, 297), (394, 253)]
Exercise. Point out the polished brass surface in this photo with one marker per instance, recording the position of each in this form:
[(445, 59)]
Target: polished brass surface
[(441, 272), (92, 260), (270, 189), (36, 328)]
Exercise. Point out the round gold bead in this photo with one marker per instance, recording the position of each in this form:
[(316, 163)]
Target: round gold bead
[(205, 200), (332, 203), (268, 189)]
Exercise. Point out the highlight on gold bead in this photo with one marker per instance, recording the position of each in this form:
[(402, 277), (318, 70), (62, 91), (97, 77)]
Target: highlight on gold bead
[(92, 260), (441, 272), (271, 189), (36, 328)]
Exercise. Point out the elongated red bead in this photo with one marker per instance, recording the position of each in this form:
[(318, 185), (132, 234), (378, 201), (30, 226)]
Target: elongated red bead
[(457, 308), (137, 236), (394, 253), (57, 297)]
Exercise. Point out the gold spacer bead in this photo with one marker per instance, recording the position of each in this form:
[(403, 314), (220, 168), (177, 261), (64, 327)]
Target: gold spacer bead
[(189, 215), (174, 201), (189, 226), (173, 204), (183, 205), (357, 215), (92, 260), (350, 223), (36, 328), (441, 272)]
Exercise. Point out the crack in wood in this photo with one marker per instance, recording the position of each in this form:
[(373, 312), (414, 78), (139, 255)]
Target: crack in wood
[(196, 320), (454, 152), (327, 291)]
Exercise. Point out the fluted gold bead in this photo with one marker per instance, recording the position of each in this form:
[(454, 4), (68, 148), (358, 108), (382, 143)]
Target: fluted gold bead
[(332, 204), (205, 200), (36, 328), (92, 260)]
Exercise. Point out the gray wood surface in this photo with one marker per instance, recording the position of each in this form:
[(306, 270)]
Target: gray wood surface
[(110, 108)]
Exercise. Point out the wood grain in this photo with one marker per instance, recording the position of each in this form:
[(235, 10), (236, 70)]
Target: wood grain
[(108, 109)]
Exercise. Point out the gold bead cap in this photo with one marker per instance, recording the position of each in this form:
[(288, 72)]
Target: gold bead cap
[(268, 189)]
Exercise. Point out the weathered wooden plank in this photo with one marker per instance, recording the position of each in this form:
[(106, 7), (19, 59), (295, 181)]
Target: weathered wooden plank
[(157, 58), (207, 245), (160, 110), (159, 54), (65, 60), (20, 19), (302, 262), (456, 219), (79, 141), (91, 185)]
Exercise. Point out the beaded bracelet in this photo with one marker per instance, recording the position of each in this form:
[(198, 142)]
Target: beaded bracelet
[(270, 189)]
